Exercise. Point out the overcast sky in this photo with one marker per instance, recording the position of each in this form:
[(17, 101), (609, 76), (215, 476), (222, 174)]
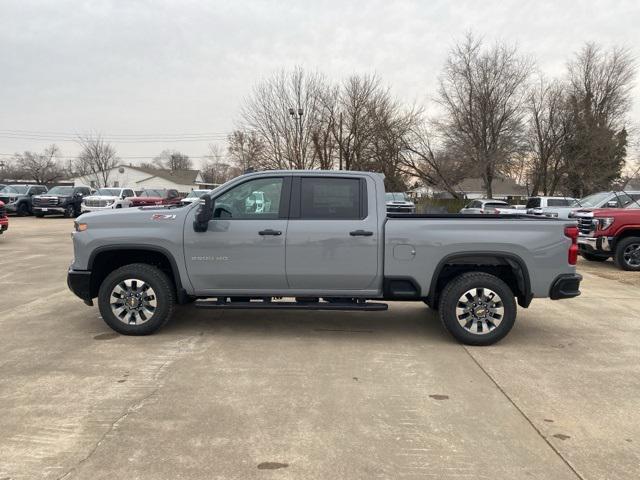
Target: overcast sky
[(132, 68)]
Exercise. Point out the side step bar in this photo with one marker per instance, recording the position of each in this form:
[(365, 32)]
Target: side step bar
[(366, 306)]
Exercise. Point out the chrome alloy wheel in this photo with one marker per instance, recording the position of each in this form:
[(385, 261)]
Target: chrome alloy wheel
[(133, 301), (631, 255), (479, 311)]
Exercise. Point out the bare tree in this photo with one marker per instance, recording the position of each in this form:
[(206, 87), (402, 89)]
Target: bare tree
[(173, 160), (216, 168), (482, 93), (547, 132), (96, 160), (246, 149), (434, 167), (284, 111), (43, 168), (599, 99)]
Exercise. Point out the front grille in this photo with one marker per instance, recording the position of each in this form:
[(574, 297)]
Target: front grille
[(96, 203), (586, 225), (45, 201)]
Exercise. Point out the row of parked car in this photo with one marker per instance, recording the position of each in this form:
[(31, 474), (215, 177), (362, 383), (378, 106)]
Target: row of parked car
[(608, 222), (72, 201)]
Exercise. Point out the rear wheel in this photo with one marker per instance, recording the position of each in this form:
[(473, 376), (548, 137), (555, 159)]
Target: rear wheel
[(593, 257), (137, 299), (69, 211), (628, 254), (477, 308)]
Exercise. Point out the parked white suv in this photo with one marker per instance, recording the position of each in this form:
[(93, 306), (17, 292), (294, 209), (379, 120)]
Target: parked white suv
[(107, 198), (547, 205)]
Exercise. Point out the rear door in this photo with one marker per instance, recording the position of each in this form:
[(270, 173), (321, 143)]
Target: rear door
[(333, 235)]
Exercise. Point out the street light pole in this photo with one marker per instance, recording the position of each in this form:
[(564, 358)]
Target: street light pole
[(296, 114)]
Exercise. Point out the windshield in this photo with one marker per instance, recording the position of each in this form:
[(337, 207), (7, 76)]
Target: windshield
[(61, 191), (395, 197), (152, 193), (196, 193), (593, 200), (16, 189), (108, 192)]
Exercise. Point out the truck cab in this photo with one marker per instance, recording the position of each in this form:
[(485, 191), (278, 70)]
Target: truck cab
[(318, 240)]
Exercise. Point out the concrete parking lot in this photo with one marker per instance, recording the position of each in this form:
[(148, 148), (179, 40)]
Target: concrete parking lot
[(322, 395)]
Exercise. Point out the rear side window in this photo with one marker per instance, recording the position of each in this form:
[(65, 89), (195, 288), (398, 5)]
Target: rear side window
[(533, 203), (558, 202), (330, 198)]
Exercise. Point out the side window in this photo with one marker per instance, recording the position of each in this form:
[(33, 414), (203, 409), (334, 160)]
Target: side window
[(255, 199), (330, 198), (558, 202), (128, 193), (534, 203), (475, 204)]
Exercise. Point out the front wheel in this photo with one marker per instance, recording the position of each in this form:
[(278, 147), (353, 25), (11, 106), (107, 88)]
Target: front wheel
[(23, 210), (477, 308), (137, 299), (628, 254), (592, 257)]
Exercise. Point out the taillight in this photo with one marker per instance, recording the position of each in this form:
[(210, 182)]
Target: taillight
[(572, 233)]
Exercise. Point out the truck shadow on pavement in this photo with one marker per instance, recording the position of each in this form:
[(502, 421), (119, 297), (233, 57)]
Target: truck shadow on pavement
[(399, 322)]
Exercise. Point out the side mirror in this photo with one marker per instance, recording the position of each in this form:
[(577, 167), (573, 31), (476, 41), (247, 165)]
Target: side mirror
[(203, 215), (612, 204)]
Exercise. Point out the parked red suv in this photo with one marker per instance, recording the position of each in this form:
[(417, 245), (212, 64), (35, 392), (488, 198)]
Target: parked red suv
[(611, 232), (155, 196), (4, 220)]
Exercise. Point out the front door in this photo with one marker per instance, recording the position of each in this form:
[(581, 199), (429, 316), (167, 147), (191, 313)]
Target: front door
[(244, 247), (332, 237)]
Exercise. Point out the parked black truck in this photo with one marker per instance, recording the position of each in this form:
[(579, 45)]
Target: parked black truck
[(60, 200)]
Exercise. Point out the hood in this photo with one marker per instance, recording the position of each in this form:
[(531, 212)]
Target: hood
[(133, 217), (399, 202), (46, 195), (615, 212), (102, 197), (145, 200)]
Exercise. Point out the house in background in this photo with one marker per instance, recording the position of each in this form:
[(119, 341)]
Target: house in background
[(473, 188), (139, 178)]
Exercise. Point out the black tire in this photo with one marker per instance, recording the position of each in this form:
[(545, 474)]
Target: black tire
[(593, 257), (69, 211), (456, 288), (22, 210), (39, 214), (627, 254), (164, 295)]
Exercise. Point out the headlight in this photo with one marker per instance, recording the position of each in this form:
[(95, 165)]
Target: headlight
[(604, 223)]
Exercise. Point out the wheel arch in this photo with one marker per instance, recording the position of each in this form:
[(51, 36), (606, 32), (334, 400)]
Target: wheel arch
[(104, 260), (507, 266)]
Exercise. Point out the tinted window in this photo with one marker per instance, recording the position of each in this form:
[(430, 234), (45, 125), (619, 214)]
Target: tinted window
[(559, 202), (475, 204), (533, 203), (337, 198), (128, 193), (255, 199), (496, 204)]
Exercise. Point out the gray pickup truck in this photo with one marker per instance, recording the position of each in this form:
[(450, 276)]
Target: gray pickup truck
[(322, 241)]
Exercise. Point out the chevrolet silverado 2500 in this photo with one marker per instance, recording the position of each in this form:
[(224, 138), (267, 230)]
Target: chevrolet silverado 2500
[(318, 240)]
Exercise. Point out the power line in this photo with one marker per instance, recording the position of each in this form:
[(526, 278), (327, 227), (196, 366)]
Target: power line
[(113, 135), (71, 157)]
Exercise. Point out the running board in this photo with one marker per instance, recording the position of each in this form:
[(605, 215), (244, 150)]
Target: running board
[(366, 306)]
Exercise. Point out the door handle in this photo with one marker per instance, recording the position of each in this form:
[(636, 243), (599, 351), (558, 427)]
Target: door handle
[(268, 231), (361, 233)]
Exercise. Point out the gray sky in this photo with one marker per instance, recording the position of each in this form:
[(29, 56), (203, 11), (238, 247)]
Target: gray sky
[(131, 68)]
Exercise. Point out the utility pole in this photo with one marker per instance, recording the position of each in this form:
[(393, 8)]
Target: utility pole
[(340, 141)]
